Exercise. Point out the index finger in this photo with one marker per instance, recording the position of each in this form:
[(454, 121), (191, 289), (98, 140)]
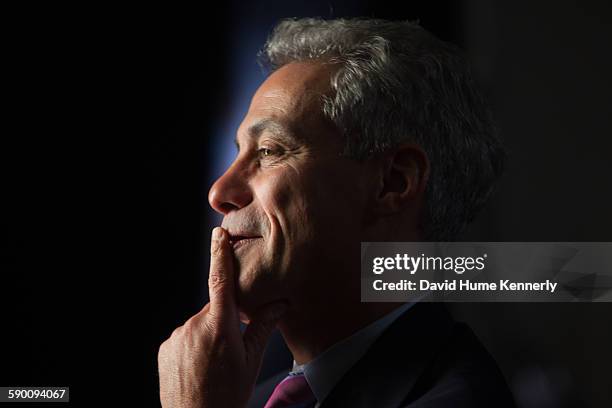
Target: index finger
[(221, 284)]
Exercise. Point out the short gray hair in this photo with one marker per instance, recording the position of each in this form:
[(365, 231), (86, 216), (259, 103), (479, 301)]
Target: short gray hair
[(398, 83)]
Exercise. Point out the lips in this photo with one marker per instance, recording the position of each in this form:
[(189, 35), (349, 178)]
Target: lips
[(239, 240)]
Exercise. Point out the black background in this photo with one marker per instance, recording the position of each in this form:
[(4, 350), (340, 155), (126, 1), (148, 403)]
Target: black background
[(109, 123)]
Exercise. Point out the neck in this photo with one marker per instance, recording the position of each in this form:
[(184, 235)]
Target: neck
[(310, 329)]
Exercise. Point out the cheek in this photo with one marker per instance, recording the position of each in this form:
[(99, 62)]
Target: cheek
[(312, 198), (273, 191), (283, 198), (308, 208)]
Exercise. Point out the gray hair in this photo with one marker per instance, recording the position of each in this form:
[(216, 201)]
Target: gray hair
[(398, 83)]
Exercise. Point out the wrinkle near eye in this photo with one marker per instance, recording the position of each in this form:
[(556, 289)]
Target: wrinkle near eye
[(288, 158)]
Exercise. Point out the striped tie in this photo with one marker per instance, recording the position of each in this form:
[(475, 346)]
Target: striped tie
[(293, 392)]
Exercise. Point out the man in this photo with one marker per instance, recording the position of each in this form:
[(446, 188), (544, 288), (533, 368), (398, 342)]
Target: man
[(366, 130)]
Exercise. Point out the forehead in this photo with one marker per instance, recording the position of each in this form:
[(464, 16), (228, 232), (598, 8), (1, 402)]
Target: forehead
[(297, 80), (292, 95)]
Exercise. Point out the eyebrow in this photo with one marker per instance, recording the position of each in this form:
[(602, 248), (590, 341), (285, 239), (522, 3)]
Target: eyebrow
[(271, 125)]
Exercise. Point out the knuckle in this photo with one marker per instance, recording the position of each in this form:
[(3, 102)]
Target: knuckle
[(163, 350), (216, 280), (177, 332), (193, 330), (190, 326)]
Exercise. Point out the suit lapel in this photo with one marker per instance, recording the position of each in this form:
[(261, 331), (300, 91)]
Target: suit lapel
[(262, 391), (389, 370)]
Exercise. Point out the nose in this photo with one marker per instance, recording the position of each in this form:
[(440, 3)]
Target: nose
[(230, 192)]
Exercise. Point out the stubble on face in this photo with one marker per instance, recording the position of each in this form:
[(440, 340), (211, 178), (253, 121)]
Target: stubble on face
[(288, 209)]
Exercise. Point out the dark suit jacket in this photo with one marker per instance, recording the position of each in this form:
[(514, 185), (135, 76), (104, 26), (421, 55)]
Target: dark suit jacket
[(424, 359)]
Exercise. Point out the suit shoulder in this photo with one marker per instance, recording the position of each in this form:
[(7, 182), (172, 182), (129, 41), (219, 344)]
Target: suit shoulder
[(463, 374)]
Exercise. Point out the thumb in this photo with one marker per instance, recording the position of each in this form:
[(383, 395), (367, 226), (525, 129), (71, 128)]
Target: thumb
[(260, 329)]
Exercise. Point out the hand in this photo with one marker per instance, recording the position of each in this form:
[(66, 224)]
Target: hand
[(208, 362)]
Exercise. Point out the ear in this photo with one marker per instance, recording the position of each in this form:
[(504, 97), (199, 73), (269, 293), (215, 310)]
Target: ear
[(405, 172)]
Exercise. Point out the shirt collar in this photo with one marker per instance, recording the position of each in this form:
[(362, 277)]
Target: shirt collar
[(326, 370)]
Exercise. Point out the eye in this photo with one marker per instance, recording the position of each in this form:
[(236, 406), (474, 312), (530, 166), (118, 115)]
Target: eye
[(264, 151), (268, 152)]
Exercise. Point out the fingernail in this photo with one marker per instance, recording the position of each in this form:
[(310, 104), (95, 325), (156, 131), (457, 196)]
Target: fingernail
[(215, 240), (217, 233)]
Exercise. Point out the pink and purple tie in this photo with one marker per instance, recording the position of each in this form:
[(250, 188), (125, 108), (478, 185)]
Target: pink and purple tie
[(293, 391)]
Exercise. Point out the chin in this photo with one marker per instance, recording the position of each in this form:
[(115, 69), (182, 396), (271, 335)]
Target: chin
[(256, 287)]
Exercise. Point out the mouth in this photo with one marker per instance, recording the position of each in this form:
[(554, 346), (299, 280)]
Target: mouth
[(238, 241)]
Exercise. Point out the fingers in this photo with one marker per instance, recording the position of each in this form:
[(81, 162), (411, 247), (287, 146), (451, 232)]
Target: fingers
[(258, 331), (221, 283)]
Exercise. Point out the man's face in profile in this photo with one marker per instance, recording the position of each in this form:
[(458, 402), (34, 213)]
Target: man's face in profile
[(292, 205)]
